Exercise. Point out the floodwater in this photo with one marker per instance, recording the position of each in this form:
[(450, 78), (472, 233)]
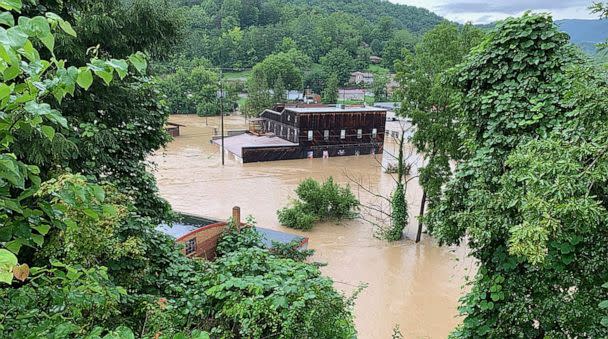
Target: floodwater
[(414, 286)]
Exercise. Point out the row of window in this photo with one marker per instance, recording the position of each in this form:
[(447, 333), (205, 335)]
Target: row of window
[(342, 134)]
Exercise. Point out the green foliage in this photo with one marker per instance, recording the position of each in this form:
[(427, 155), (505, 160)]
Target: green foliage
[(234, 239), (259, 98), (330, 92), (297, 217), (285, 67), (338, 62), (243, 33), (318, 202), (195, 90), (256, 295), (429, 101), (529, 192), (291, 250)]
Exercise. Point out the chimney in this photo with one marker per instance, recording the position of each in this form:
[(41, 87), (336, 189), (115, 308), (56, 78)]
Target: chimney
[(236, 217)]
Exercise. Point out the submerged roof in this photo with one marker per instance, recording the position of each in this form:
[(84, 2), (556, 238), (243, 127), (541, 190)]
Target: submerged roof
[(189, 223), (236, 143), (185, 224), (334, 109)]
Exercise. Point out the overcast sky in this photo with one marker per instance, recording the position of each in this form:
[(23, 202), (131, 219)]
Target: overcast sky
[(479, 11)]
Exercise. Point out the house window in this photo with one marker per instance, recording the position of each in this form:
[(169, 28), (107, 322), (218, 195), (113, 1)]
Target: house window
[(190, 246), (374, 133), (343, 134), (359, 133), (309, 135), (326, 135)]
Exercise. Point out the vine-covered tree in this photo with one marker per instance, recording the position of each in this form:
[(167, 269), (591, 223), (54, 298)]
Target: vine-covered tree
[(530, 192)]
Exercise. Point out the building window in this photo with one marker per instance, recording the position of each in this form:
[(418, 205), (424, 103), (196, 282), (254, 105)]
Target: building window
[(343, 134), (326, 135), (309, 135), (359, 133), (190, 246), (374, 133)]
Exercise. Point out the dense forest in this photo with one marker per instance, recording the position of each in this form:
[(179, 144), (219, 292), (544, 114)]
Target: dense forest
[(241, 33)]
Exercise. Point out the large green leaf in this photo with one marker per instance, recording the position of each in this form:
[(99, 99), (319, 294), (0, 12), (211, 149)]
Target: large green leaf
[(6, 18), (9, 171), (48, 132), (139, 62), (7, 261), (11, 5), (85, 78)]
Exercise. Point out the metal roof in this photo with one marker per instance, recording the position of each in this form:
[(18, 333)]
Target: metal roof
[(333, 109)]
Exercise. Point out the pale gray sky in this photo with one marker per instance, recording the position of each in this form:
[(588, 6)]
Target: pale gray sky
[(479, 11)]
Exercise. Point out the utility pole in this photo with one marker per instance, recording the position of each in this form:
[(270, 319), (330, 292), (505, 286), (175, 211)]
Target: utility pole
[(222, 113)]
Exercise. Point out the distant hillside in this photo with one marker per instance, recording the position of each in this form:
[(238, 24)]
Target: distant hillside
[(585, 33), (241, 33)]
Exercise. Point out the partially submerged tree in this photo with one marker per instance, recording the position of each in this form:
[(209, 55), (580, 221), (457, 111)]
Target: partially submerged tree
[(430, 103)]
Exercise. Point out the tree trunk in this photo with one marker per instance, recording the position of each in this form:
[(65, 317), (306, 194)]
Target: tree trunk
[(420, 216)]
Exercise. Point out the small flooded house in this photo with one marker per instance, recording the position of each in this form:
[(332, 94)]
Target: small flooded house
[(173, 129), (200, 235), (313, 131)]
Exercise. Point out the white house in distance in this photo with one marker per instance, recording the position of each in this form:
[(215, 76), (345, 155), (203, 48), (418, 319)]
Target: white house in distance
[(361, 77)]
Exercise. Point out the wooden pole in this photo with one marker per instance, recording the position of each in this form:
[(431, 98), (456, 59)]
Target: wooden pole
[(236, 217), (419, 234)]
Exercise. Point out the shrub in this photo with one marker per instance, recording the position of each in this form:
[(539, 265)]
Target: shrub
[(327, 201), (296, 217), (233, 240), (290, 250), (258, 295)]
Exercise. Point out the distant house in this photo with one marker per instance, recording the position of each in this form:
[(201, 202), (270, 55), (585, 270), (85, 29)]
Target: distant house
[(313, 131), (375, 59), (294, 96), (391, 85), (361, 78), (351, 94)]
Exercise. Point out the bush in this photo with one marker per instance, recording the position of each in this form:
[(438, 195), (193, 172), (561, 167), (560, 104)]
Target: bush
[(327, 201), (233, 240), (296, 217), (255, 294), (290, 250)]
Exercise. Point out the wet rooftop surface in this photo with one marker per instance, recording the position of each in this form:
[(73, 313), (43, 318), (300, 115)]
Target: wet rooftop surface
[(236, 143), (188, 223)]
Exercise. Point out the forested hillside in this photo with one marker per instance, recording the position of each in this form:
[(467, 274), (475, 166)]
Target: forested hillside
[(241, 33)]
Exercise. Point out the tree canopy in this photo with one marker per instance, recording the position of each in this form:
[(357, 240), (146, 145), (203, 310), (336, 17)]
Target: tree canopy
[(529, 190)]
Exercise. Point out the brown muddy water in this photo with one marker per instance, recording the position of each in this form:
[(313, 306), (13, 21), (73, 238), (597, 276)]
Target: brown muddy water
[(415, 286)]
